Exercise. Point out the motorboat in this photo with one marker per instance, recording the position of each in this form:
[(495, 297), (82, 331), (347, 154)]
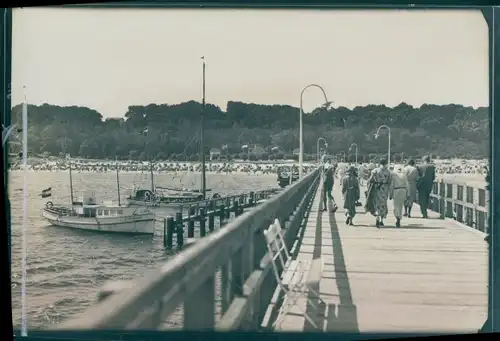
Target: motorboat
[(86, 214)]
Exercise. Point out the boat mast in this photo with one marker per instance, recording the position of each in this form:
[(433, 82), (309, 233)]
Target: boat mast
[(70, 181), (145, 132), (24, 320), (117, 181), (152, 176), (202, 136)]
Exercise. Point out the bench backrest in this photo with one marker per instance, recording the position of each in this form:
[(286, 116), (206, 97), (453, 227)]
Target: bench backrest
[(276, 247)]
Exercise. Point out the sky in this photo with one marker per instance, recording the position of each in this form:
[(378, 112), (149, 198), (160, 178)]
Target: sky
[(108, 59)]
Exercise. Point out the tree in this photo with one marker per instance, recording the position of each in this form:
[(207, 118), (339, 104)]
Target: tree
[(161, 156), (444, 130), (133, 154)]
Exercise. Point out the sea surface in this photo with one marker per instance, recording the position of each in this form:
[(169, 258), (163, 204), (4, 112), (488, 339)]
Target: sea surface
[(65, 267)]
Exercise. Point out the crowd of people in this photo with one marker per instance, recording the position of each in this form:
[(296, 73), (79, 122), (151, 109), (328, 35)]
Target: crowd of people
[(402, 183), (101, 166)]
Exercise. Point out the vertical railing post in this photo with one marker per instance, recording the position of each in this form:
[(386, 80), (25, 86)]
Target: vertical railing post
[(165, 234), (191, 222), (203, 231), (236, 208), (211, 223), (228, 208), (199, 307), (179, 228), (441, 202), (170, 231), (222, 215)]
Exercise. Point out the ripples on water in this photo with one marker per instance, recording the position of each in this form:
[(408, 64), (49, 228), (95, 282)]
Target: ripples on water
[(65, 267)]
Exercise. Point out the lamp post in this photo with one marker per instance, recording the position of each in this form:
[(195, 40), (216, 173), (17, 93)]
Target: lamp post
[(389, 143), (350, 148), (318, 158), (301, 127)]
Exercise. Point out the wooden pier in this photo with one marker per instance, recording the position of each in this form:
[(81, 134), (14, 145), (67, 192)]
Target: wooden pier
[(429, 276)]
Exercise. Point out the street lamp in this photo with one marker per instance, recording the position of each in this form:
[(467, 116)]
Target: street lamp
[(350, 148), (301, 126), (389, 144), (318, 158)]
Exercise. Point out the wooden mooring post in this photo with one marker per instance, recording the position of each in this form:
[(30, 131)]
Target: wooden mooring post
[(218, 209)]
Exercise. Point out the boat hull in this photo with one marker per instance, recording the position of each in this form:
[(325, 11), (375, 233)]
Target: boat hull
[(138, 224)]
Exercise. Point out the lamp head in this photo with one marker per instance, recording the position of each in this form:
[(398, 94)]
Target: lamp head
[(326, 144), (376, 136)]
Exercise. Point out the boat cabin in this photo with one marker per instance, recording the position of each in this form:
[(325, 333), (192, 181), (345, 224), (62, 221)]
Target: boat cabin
[(87, 206), (142, 195), (166, 195)]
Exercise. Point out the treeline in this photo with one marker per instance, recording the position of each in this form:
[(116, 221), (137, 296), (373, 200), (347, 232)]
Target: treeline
[(163, 131)]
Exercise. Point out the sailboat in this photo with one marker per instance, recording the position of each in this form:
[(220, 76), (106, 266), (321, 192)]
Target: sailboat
[(86, 213), (170, 197)]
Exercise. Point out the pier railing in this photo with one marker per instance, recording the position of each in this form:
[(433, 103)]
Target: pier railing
[(203, 215), (237, 252), (227, 201), (465, 203)]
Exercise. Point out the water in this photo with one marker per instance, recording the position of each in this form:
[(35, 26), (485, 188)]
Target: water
[(65, 267)]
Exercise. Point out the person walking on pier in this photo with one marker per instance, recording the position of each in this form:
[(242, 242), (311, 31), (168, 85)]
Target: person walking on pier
[(411, 174), (398, 192), (378, 193), (328, 182), (427, 174), (361, 173), (350, 190)]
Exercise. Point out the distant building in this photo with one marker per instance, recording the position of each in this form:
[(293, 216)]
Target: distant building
[(214, 153)]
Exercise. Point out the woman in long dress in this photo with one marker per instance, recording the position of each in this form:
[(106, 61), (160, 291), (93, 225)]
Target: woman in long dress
[(350, 190), (411, 174), (378, 192)]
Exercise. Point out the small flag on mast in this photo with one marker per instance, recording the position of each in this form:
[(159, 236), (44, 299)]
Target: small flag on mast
[(46, 192)]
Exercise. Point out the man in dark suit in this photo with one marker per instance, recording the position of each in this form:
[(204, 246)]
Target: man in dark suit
[(427, 174), (328, 181)]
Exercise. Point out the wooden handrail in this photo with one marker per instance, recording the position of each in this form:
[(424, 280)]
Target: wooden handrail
[(465, 202)]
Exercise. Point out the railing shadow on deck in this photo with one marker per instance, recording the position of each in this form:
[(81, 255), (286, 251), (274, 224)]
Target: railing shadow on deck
[(339, 317), (239, 250), (294, 238)]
